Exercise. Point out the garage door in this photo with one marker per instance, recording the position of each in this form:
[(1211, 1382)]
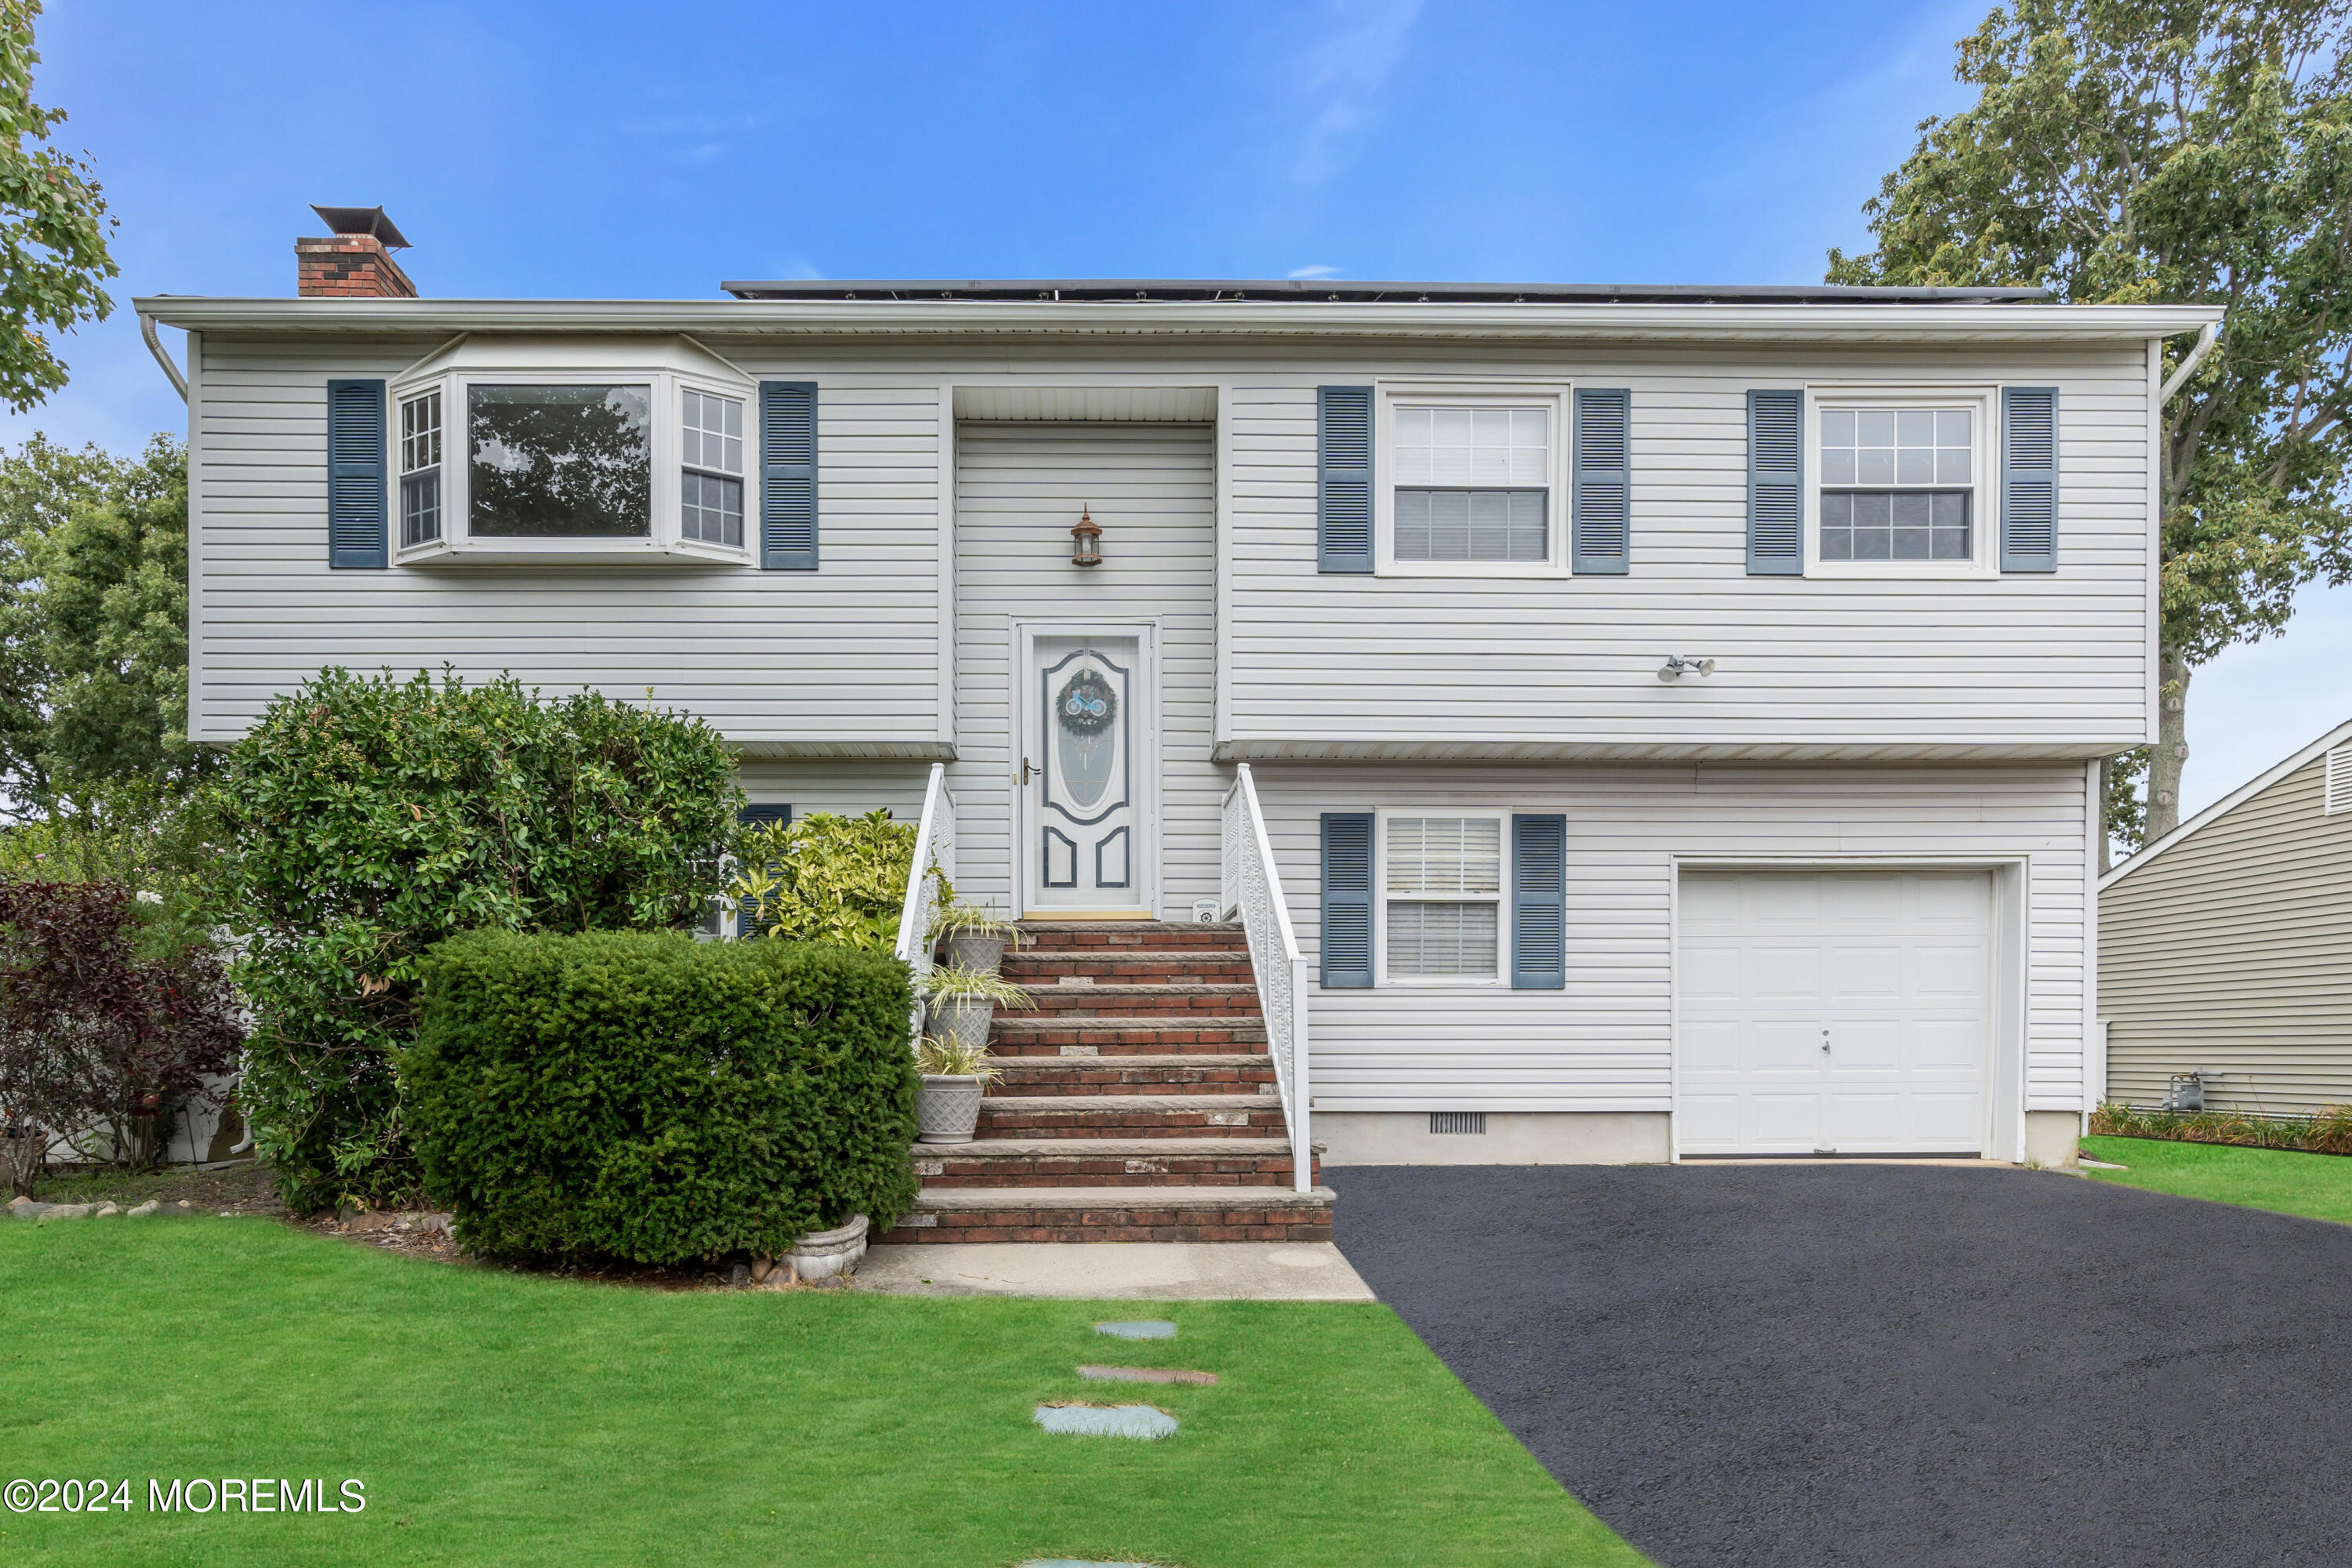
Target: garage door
[(1832, 1012)]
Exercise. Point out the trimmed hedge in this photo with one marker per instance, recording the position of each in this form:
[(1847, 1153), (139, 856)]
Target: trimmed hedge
[(648, 1096)]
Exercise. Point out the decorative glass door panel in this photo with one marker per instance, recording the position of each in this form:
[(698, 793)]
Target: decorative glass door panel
[(1083, 735)]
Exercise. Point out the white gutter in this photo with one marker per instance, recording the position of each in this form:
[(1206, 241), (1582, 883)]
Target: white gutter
[(1197, 319), (2205, 336), (155, 347)]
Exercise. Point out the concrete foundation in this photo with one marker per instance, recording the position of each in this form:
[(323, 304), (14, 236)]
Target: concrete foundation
[(1512, 1138), (2052, 1138)]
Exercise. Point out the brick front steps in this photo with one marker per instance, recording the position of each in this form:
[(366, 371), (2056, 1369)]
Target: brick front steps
[(1108, 1162), (1115, 1213), (1136, 1103)]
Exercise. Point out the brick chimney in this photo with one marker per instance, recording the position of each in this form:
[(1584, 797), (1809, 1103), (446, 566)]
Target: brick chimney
[(355, 261)]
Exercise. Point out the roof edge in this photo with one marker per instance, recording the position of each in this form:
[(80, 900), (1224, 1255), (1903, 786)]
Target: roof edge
[(2230, 802), (1693, 321), (1232, 290)]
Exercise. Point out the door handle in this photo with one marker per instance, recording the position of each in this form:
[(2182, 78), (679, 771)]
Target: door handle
[(1024, 770), (1825, 1039)]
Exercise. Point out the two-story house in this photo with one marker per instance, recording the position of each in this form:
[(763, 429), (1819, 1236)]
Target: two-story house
[(1672, 713)]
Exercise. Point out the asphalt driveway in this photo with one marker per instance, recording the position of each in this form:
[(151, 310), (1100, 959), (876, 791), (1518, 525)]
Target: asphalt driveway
[(1888, 1364)]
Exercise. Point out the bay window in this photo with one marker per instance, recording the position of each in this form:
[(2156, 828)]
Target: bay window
[(580, 454)]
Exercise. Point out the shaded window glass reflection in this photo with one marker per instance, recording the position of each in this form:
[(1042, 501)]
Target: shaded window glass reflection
[(560, 461)]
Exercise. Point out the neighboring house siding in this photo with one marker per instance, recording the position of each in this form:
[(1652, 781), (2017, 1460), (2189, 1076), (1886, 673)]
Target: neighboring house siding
[(2231, 949), (1604, 1042), (848, 656), (1019, 488), (1323, 664)]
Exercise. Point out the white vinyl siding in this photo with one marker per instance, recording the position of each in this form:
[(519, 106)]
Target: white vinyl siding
[(1533, 668), (1019, 486), (842, 662), (1604, 1042)]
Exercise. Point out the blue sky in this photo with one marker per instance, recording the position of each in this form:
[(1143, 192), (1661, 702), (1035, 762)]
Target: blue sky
[(592, 149)]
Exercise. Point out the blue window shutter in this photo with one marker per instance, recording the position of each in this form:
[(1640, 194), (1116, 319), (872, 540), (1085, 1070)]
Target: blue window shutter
[(1347, 900), (1776, 491), (1343, 466), (788, 476), (358, 508), (1539, 901), (2028, 478), (1603, 482), (747, 920)]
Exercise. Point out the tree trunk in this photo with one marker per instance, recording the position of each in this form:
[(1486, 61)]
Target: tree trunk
[(21, 1148), (2171, 752), (2105, 853)]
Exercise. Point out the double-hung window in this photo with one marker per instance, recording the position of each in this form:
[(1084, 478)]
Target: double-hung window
[(420, 469), (1471, 484), (710, 479), (1441, 896), (1902, 485)]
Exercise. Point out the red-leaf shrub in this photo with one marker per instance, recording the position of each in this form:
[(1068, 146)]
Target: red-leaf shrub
[(108, 1023)]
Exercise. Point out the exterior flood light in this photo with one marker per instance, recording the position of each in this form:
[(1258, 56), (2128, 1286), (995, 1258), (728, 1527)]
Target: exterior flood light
[(1085, 540), (1677, 666)]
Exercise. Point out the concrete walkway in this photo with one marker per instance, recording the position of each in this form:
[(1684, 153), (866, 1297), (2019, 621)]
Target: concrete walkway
[(1116, 1271)]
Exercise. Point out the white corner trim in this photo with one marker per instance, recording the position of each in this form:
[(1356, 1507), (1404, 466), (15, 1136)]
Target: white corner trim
[(2228, 803)]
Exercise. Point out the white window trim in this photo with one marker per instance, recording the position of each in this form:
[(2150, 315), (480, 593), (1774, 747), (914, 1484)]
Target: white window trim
[(668, 371), (1500, 898), (1984, 510), (1552, 397)]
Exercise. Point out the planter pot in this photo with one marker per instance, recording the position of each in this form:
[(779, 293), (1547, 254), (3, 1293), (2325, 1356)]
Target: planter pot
[(963, 1019), (825, 1253), (975, 949), (947, 1109)]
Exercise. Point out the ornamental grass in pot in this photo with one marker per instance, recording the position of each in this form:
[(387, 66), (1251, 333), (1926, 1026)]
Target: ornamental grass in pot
[(955, 1077), (961, 1002), (975, 937)]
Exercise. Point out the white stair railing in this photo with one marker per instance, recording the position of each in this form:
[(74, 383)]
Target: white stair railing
[(1253, 887), (934, 863)]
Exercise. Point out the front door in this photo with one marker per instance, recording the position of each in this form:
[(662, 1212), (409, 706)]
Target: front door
[(1086, 748)]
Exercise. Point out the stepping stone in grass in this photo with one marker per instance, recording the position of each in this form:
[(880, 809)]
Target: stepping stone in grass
[(1144, 1374), (1144, 1330), (1144, 1421)]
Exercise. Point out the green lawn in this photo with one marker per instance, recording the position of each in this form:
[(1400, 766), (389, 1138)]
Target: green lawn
[(2318, 1186), (517, 1419)]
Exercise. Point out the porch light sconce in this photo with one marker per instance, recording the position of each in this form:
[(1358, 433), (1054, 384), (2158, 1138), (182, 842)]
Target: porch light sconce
[(1085, 540), (1676, 667)]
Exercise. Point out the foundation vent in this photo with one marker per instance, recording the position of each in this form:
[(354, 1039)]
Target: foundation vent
[(1472, 1123)]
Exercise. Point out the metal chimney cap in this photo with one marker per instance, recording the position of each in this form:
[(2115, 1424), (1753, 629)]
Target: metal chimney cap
[(369, 221)]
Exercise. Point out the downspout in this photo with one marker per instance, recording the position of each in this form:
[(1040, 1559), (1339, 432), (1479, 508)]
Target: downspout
[(2205, 340), (155, 347)]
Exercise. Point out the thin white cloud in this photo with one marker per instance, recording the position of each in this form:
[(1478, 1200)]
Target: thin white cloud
[(1342, 72), (1317, 270)]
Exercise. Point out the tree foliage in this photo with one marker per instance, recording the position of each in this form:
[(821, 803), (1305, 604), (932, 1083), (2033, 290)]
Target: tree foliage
[(2186, 152), (94, 624), (110, 1020), (53, 226), (365, 819)]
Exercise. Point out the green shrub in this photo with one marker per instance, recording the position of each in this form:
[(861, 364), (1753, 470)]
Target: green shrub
[(653, 1098), (365, 819), (832, 879), (2329, 1131)]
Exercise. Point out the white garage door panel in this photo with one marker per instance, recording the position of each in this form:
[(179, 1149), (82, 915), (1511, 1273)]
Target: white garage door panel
[(1833, 1011)]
